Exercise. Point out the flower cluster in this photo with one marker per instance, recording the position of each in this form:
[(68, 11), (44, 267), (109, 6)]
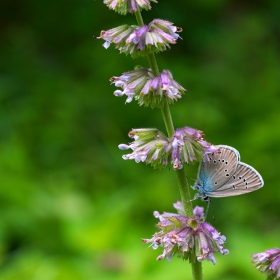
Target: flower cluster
[(268, 262), (124, 6), (188, 145), (187, 237), (148, 89), (143, 40), (150, 146), (153, 147)]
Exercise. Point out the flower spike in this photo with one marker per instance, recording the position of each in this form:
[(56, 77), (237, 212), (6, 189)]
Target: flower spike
[(148, 89), (187, 237)]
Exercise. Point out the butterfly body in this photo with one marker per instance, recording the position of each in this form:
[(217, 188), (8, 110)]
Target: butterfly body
[(224, 175)]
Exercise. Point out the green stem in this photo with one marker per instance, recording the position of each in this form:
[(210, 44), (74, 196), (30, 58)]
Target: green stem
[(183, 186), (139, 18), (184, 192), (197, 271), (167, 118)]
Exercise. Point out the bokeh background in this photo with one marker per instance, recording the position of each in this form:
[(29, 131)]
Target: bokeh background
[(70, 207)]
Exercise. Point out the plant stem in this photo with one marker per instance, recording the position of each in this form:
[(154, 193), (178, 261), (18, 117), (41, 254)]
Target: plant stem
[(165, 111), (197, 271), (139, 18), (184, 192), (183, 186), (167, 118)]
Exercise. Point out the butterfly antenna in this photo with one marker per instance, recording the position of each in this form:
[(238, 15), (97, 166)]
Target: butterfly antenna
[(190, 178), (156, 7)]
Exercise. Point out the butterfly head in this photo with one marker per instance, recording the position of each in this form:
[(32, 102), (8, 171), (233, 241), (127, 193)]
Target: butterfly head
[(201, 192)]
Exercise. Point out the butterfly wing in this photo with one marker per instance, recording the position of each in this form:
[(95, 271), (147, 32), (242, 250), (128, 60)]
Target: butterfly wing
[(245, 179), (217, 171)]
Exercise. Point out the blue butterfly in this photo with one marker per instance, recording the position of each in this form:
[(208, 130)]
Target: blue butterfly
[(224, 175)]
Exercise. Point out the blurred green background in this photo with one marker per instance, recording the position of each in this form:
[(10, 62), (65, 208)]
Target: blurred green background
[(70, 207)]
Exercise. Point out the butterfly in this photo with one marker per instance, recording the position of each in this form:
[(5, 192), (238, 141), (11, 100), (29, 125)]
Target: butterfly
[(224, 175)]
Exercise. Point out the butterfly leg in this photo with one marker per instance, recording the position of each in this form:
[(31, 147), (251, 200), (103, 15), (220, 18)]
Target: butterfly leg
[(207, 200), (196, 196)]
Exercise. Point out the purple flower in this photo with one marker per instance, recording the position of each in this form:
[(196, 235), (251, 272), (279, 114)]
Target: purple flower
[(189, 145), (188, 237), (124, 6), (153, 147), (150, 146), (117, 36), (140, 41), (148, 89), (268, 262)]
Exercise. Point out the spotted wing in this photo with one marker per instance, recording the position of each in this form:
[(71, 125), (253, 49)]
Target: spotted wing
[(245, 179), (218, 170)]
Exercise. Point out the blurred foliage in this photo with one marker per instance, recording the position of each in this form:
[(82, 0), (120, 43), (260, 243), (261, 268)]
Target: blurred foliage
[(70, 207)]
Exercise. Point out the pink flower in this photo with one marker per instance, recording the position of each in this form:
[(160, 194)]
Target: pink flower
[(147, 88), (153, 147), (187, 237), (140, 41), (268, 262)]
